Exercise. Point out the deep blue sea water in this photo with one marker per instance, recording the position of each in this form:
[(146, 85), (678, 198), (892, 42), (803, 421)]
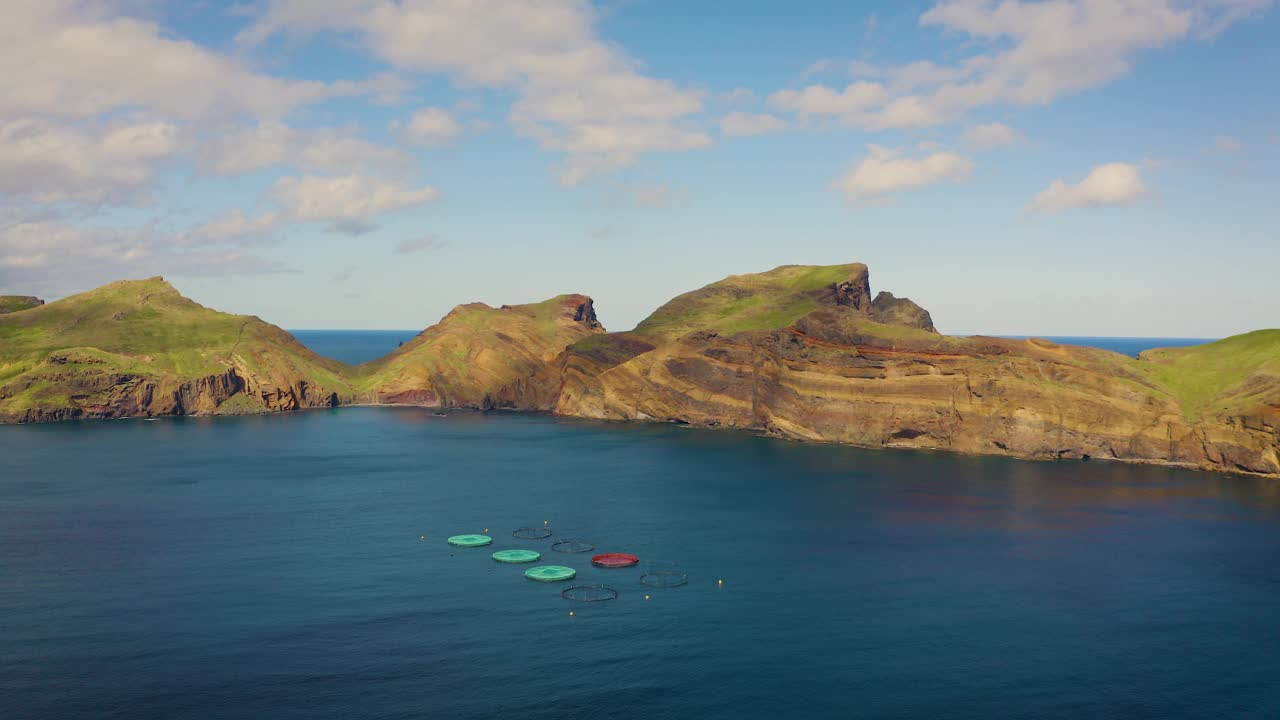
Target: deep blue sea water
[(271, 567), (353, 346), (1123, 345)]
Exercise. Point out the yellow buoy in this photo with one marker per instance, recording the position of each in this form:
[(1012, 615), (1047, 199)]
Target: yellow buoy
[(570, 613), (646, 597), (719, 582)]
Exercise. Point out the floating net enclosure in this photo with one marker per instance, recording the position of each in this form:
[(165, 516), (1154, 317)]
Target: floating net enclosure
[(531, 533), (550, 573), (571, 542), (516, 556), (614, 560), (589, 593), (470, 540), (663, 575)]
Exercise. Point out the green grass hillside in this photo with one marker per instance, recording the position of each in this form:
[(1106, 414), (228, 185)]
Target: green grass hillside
[(76, 352), (1232, 374)]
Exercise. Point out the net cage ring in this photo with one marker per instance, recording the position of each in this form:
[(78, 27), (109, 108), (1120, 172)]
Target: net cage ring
[(531, 533), (589, 593), (573, 545), (663, 575)]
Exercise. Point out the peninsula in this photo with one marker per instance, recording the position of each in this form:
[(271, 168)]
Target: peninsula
[(799, 352)]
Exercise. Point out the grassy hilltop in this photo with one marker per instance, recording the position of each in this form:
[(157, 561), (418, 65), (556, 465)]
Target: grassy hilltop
[(477, 355), (139, 347)]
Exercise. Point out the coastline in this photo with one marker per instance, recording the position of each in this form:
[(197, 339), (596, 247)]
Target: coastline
[(757, 431)]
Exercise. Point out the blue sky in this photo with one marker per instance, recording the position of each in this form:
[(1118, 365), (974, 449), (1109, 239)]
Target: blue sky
[(1089, 167)]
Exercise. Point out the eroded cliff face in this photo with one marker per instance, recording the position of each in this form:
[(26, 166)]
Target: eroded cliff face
[(838, 375)]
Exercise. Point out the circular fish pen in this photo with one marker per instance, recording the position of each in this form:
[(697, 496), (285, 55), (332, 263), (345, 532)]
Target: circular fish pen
[(664, 579), (470, 540), (550, 573), (614, 560), (531, 533), (517, 556), (664, 575), (573, 546), (589, 593)]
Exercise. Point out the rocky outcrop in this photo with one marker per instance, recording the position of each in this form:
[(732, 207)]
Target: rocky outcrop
[(891, 310), (585, 313), (855, 292)]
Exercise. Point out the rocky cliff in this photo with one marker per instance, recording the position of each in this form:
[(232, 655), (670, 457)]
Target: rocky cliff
[(877, 374)]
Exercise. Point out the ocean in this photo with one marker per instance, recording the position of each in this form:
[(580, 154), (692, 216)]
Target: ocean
[(295, 566)]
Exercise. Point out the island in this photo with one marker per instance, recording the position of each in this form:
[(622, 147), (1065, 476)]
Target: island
[(798, 352)]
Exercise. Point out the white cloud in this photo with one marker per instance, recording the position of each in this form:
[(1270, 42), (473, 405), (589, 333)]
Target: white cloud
[(72, 59), (270, 143), (822, 100), (234, 227), (992, 135), (741, 124), (578, 94), (51, 162), (1027, 53), (885, 171), (51, 257), (1227, 144), (1110, 184), (431, 126), (347, 202)]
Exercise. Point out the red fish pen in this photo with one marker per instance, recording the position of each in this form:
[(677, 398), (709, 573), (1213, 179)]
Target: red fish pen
[(614, 560)]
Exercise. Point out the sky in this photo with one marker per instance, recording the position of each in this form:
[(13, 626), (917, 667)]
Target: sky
[(1052, 167)]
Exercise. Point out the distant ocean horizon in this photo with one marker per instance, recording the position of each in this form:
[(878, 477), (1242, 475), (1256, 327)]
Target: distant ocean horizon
[(359, 346)]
